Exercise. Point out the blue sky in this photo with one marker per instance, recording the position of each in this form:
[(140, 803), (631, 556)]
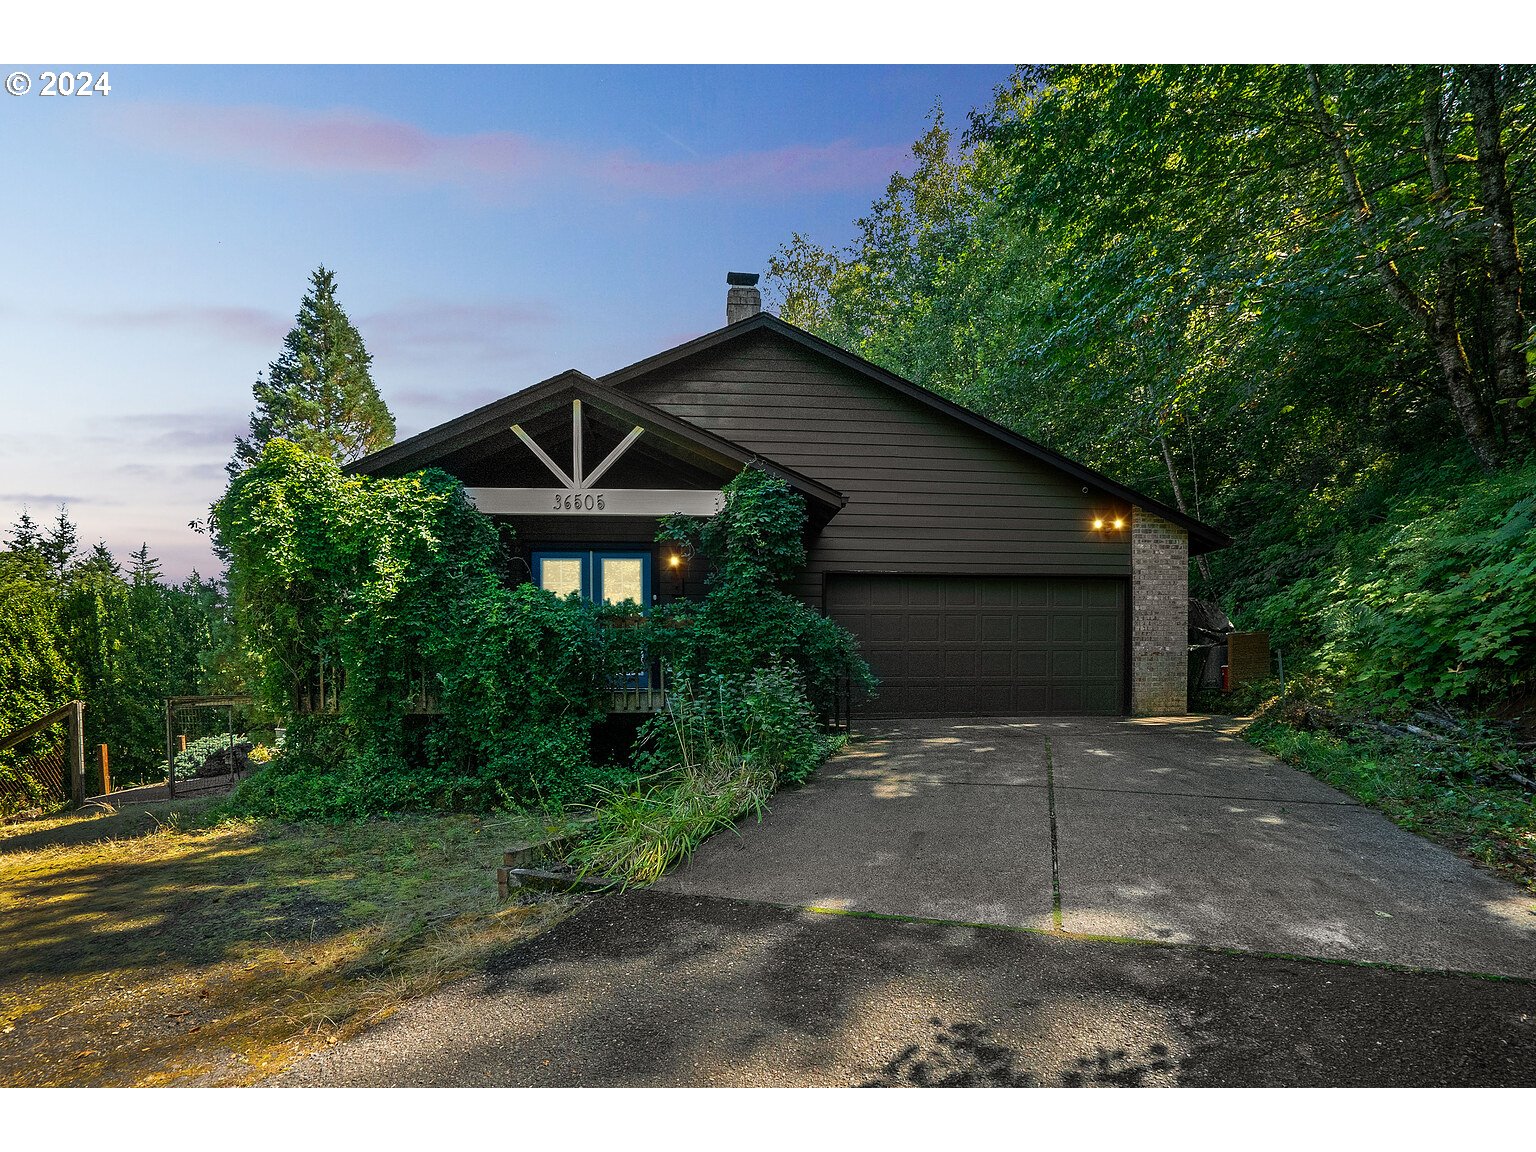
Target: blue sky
[(488, 226)]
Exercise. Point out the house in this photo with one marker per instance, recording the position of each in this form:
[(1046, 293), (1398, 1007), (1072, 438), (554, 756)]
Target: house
[(983, 573)]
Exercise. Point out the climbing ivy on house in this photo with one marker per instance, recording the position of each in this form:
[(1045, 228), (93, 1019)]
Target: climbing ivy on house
[(395, 583), (749, 619)]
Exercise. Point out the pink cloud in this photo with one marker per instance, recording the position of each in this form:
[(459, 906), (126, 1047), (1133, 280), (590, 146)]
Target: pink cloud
[(248, 325), (348, 141)]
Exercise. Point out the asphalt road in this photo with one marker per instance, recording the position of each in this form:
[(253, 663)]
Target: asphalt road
[(652, 989)]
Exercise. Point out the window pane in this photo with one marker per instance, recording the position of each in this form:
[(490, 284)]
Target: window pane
[(623, 580), (562, 577)]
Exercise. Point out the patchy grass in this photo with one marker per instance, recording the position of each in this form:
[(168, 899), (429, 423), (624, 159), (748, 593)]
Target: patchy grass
[(154, 946), (1436, 793)]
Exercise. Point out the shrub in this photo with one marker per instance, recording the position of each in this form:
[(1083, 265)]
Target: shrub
[(397, 583), (1439, 601), (715, 756), (748, 619)]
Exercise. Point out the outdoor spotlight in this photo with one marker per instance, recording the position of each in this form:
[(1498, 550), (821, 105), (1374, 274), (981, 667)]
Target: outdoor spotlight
[(1098, 525), (674, 561), (1119, 523)]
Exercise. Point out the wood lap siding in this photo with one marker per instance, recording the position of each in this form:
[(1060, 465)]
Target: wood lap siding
[(926, 493)]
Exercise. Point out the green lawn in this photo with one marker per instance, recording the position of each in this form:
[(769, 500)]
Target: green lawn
[(152, 946)]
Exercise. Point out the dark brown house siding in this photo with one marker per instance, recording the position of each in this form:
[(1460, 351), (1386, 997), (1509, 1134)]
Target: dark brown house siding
[(926, 493)]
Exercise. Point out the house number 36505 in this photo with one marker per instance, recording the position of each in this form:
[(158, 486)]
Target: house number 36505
[(579, 502)]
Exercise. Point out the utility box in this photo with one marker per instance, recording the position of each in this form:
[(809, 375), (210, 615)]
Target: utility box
[(1247, 657)]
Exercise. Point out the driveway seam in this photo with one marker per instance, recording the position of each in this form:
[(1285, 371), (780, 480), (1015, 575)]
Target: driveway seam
[(1050, 797), (1209, 796)]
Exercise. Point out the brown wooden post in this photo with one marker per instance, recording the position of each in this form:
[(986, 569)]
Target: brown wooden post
[(106, 772), (182, 738), (77, 752), (170, 754)]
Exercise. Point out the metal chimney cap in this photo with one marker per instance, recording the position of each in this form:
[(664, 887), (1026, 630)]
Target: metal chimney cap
[(741, 279)]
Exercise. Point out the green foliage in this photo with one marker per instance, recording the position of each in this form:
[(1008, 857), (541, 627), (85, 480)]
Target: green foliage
[(1438, 601), (748, 619), (762, 717), (319, 393), (199, 752), (35, 675), (85, 630), (395, 587), (714, 757), (1457, 795)]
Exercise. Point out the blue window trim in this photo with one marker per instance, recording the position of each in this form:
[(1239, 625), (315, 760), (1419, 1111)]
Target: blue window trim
[(645, 574), (591, 589), (586, 568)]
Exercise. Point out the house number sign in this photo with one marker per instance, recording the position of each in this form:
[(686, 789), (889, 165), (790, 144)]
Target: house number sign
[(580, 502)]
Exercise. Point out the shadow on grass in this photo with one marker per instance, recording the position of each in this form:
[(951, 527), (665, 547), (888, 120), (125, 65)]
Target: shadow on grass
[(205, 902), (99, 823)]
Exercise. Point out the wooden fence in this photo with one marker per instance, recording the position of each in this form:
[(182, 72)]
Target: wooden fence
[(52, 773)]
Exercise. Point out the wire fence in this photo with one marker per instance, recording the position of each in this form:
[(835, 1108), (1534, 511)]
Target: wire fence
[(36, 774), (210, 737)]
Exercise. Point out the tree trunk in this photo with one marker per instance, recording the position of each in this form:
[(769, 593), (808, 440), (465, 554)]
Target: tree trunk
[(1507, 279), (1178, 498), (1439, 321)]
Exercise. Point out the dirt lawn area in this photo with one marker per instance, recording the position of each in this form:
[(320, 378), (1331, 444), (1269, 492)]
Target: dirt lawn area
[(151, 946)]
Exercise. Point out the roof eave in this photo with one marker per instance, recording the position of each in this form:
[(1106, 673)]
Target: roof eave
[(1202, 537)]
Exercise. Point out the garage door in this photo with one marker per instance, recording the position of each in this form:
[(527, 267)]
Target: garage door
[(987, 645)]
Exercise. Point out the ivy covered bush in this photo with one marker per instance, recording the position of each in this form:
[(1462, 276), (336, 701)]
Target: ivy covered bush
[(394, 587), (387, 603), (748, 619)]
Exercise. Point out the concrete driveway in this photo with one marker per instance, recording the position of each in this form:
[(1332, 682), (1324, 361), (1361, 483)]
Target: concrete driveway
[(1170, 830)]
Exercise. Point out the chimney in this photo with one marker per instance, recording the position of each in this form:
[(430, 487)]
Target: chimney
[(743, 301)]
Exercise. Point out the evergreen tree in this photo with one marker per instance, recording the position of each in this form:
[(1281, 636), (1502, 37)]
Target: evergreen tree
[(61, 542), (24, 534), (146, 568), (319, 393), (100, 559)]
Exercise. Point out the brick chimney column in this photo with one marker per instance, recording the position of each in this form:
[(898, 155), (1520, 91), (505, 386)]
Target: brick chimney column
[(742, 300)]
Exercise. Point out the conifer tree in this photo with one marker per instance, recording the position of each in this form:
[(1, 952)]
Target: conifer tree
[(100, 559), (61, 542), (319, 393), (145, 569), (24, 533)]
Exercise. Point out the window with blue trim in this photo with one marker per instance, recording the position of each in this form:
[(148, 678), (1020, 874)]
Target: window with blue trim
[(602, 577)]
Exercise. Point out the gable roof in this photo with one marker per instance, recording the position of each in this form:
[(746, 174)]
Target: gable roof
[(1202, 537), (426, 449)]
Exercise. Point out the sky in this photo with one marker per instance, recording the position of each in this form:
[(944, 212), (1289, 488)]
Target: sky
[(488, 227)]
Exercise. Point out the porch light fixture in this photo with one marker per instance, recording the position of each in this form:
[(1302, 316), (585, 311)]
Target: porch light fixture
[(674, 561)]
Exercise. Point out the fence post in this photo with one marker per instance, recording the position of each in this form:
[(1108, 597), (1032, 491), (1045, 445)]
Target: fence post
[(170, 754), (106, 773), (77, 752)]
